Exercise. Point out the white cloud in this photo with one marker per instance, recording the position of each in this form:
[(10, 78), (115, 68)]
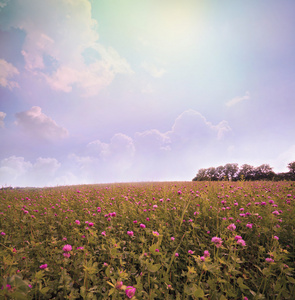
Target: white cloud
[(121, 147), (8, 71), (153, 70), (2, 116), (236, 100), (39, 125), (12, 168), (16, 171), (62, 30), (152, 141), (191, 126)]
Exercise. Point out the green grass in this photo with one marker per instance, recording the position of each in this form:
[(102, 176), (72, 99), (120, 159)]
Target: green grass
[(164, 260)]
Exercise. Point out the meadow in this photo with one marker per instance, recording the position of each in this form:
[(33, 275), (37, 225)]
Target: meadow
[(166, 240)]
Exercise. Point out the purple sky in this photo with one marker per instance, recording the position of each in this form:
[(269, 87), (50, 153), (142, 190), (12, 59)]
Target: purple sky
[(114, 91)]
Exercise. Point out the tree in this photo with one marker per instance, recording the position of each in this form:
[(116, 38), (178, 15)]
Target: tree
[(291, 167), (201, 175), (247, 172), (231, 171), (264, 172)]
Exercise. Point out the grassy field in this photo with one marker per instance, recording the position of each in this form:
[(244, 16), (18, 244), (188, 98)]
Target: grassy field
[(174, 240)]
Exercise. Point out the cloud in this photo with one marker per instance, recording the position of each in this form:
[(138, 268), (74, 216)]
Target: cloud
[(37, 124), (153, 70), (192, 127), (12, 168), (90, 78), (60, 32), (152, 141), (2, 116), (236, 100), (7, 71), (16, 171), (121, 147)]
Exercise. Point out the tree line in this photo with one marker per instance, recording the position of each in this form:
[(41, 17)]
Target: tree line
[(247, 172)]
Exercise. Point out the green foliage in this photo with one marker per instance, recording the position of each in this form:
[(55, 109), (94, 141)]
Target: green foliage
[(112, 254)]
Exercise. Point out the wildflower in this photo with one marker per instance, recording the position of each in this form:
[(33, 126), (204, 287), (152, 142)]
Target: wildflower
[(142, 226), (231, 227), (90, 224), (238, 237), (241, 242), (156, 233), (276, 237), (176, 254), (202, 258), (172, 238), (130, 291), (190, 252), (3, 233), (249, 225), (67, 248), (217, 241), (118, 285), (103, 233), (68, 255), (157, 250), (130, 233), (80, 248), (206, 253), (43, 266), (276, 213), (268, 259), (64, 238), (8, 286)]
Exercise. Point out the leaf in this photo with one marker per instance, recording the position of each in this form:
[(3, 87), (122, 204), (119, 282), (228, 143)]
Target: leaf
[(153, 268), (291, 279), (45, 290), (199, 293), (241, 284)]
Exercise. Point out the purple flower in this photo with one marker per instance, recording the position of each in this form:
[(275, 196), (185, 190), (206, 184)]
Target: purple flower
[(172, 238), (276, 237), (217, 241), (130, 291), (119, 284), (190, 251), (103, 233), (241, 242), (142, 226), (249, 225), (231, 227), (3, 233), (206, 253), (176, 254), (43, 266), (77, 222), (130, 233), (67, 248), (269, 260)]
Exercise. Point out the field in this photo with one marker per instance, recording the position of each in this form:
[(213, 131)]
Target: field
[(174, 240)]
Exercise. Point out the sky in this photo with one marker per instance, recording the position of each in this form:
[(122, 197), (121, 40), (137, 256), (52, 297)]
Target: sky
[(101, 91)]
